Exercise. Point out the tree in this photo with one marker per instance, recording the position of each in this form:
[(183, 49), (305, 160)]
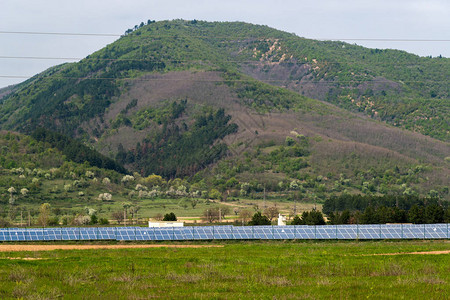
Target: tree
[(244, 215), (194, 203), (369, 217), (259, 219), (271, 212), (215, 194), (309, 218), (434, 214), (213, 214), (94, 219), (44, 214), (170, 217), (118, 216), (297, 221), (337, 218), (416, 214), (314, 218)]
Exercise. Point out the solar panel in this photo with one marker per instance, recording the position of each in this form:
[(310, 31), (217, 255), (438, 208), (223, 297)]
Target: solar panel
[(243, 232), (204, 233), (125, 233), (284, 232), (106, 233), (326, 232), (372, 231), (347, 232), (34, 234), (368, 232), (305, 232), (394, 231), (263, 232), (223, 232), (437, 231), (413, 231)]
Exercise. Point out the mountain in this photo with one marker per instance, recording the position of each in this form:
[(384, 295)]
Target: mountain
[(245, 108)]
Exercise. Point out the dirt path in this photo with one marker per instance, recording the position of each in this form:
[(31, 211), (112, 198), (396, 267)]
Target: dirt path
[(409, 253), (14, 248)]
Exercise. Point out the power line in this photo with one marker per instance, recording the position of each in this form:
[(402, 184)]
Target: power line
[(60, 33), (222, 37), (218, 80), (177, 61)]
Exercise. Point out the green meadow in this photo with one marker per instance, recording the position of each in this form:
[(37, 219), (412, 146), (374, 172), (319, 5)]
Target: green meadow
[(238, 270)]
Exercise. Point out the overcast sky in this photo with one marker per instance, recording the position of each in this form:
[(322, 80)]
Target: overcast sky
[(319, 19)]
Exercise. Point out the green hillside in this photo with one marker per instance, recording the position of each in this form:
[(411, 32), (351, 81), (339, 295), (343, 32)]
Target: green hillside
[(239, 110)]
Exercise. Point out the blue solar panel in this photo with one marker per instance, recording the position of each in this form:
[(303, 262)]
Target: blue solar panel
[(376, 231), (204, 233), (14, 234), (125, 233), (326, 232), (437, 231), (34, 234), (106, 233), (263, 232), (411, 231), (305, 232), (347, 232), (284, 232), (393, 231), (223, 232)]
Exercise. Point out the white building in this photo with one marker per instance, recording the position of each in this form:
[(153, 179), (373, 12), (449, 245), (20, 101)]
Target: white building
[(165, 224), (281, 220)]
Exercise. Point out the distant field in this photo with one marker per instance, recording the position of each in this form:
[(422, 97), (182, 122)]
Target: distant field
[(276, 269)]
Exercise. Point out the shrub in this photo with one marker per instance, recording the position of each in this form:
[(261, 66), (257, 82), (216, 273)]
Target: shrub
[(259, 219), (53, 221), (103, 221), (170, 217)]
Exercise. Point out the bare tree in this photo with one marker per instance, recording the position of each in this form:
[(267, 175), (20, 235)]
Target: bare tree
[(211, 215), (271, 212), (245, 215), (118, 216), (158, 217), (44, 214)]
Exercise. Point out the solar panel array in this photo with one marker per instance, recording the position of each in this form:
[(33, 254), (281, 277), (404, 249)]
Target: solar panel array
[(341, 232)]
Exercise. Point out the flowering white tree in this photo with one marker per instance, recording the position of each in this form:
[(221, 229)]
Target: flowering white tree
[(105, 197), (127, 178)]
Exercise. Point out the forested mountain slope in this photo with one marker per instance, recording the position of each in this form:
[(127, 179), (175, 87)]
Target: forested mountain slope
[(231, 105)]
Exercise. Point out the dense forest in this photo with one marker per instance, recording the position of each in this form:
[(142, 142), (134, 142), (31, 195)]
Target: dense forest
[(178, 150), (76, 151), (351, 209)]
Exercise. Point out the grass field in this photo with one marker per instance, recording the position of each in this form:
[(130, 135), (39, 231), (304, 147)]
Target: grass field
[(255, 270)]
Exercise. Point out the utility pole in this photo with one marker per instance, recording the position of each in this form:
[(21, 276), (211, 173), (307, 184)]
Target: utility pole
[(21, 217), (29, 219), (220, 215), (265, 197), (295, 203)]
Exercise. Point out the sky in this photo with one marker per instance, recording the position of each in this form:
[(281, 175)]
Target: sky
[(425, 24)]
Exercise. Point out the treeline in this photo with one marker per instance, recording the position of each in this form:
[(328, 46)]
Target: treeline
[(429, 214), (358, 209), (181, 150), (361, 202), (76, 151)]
